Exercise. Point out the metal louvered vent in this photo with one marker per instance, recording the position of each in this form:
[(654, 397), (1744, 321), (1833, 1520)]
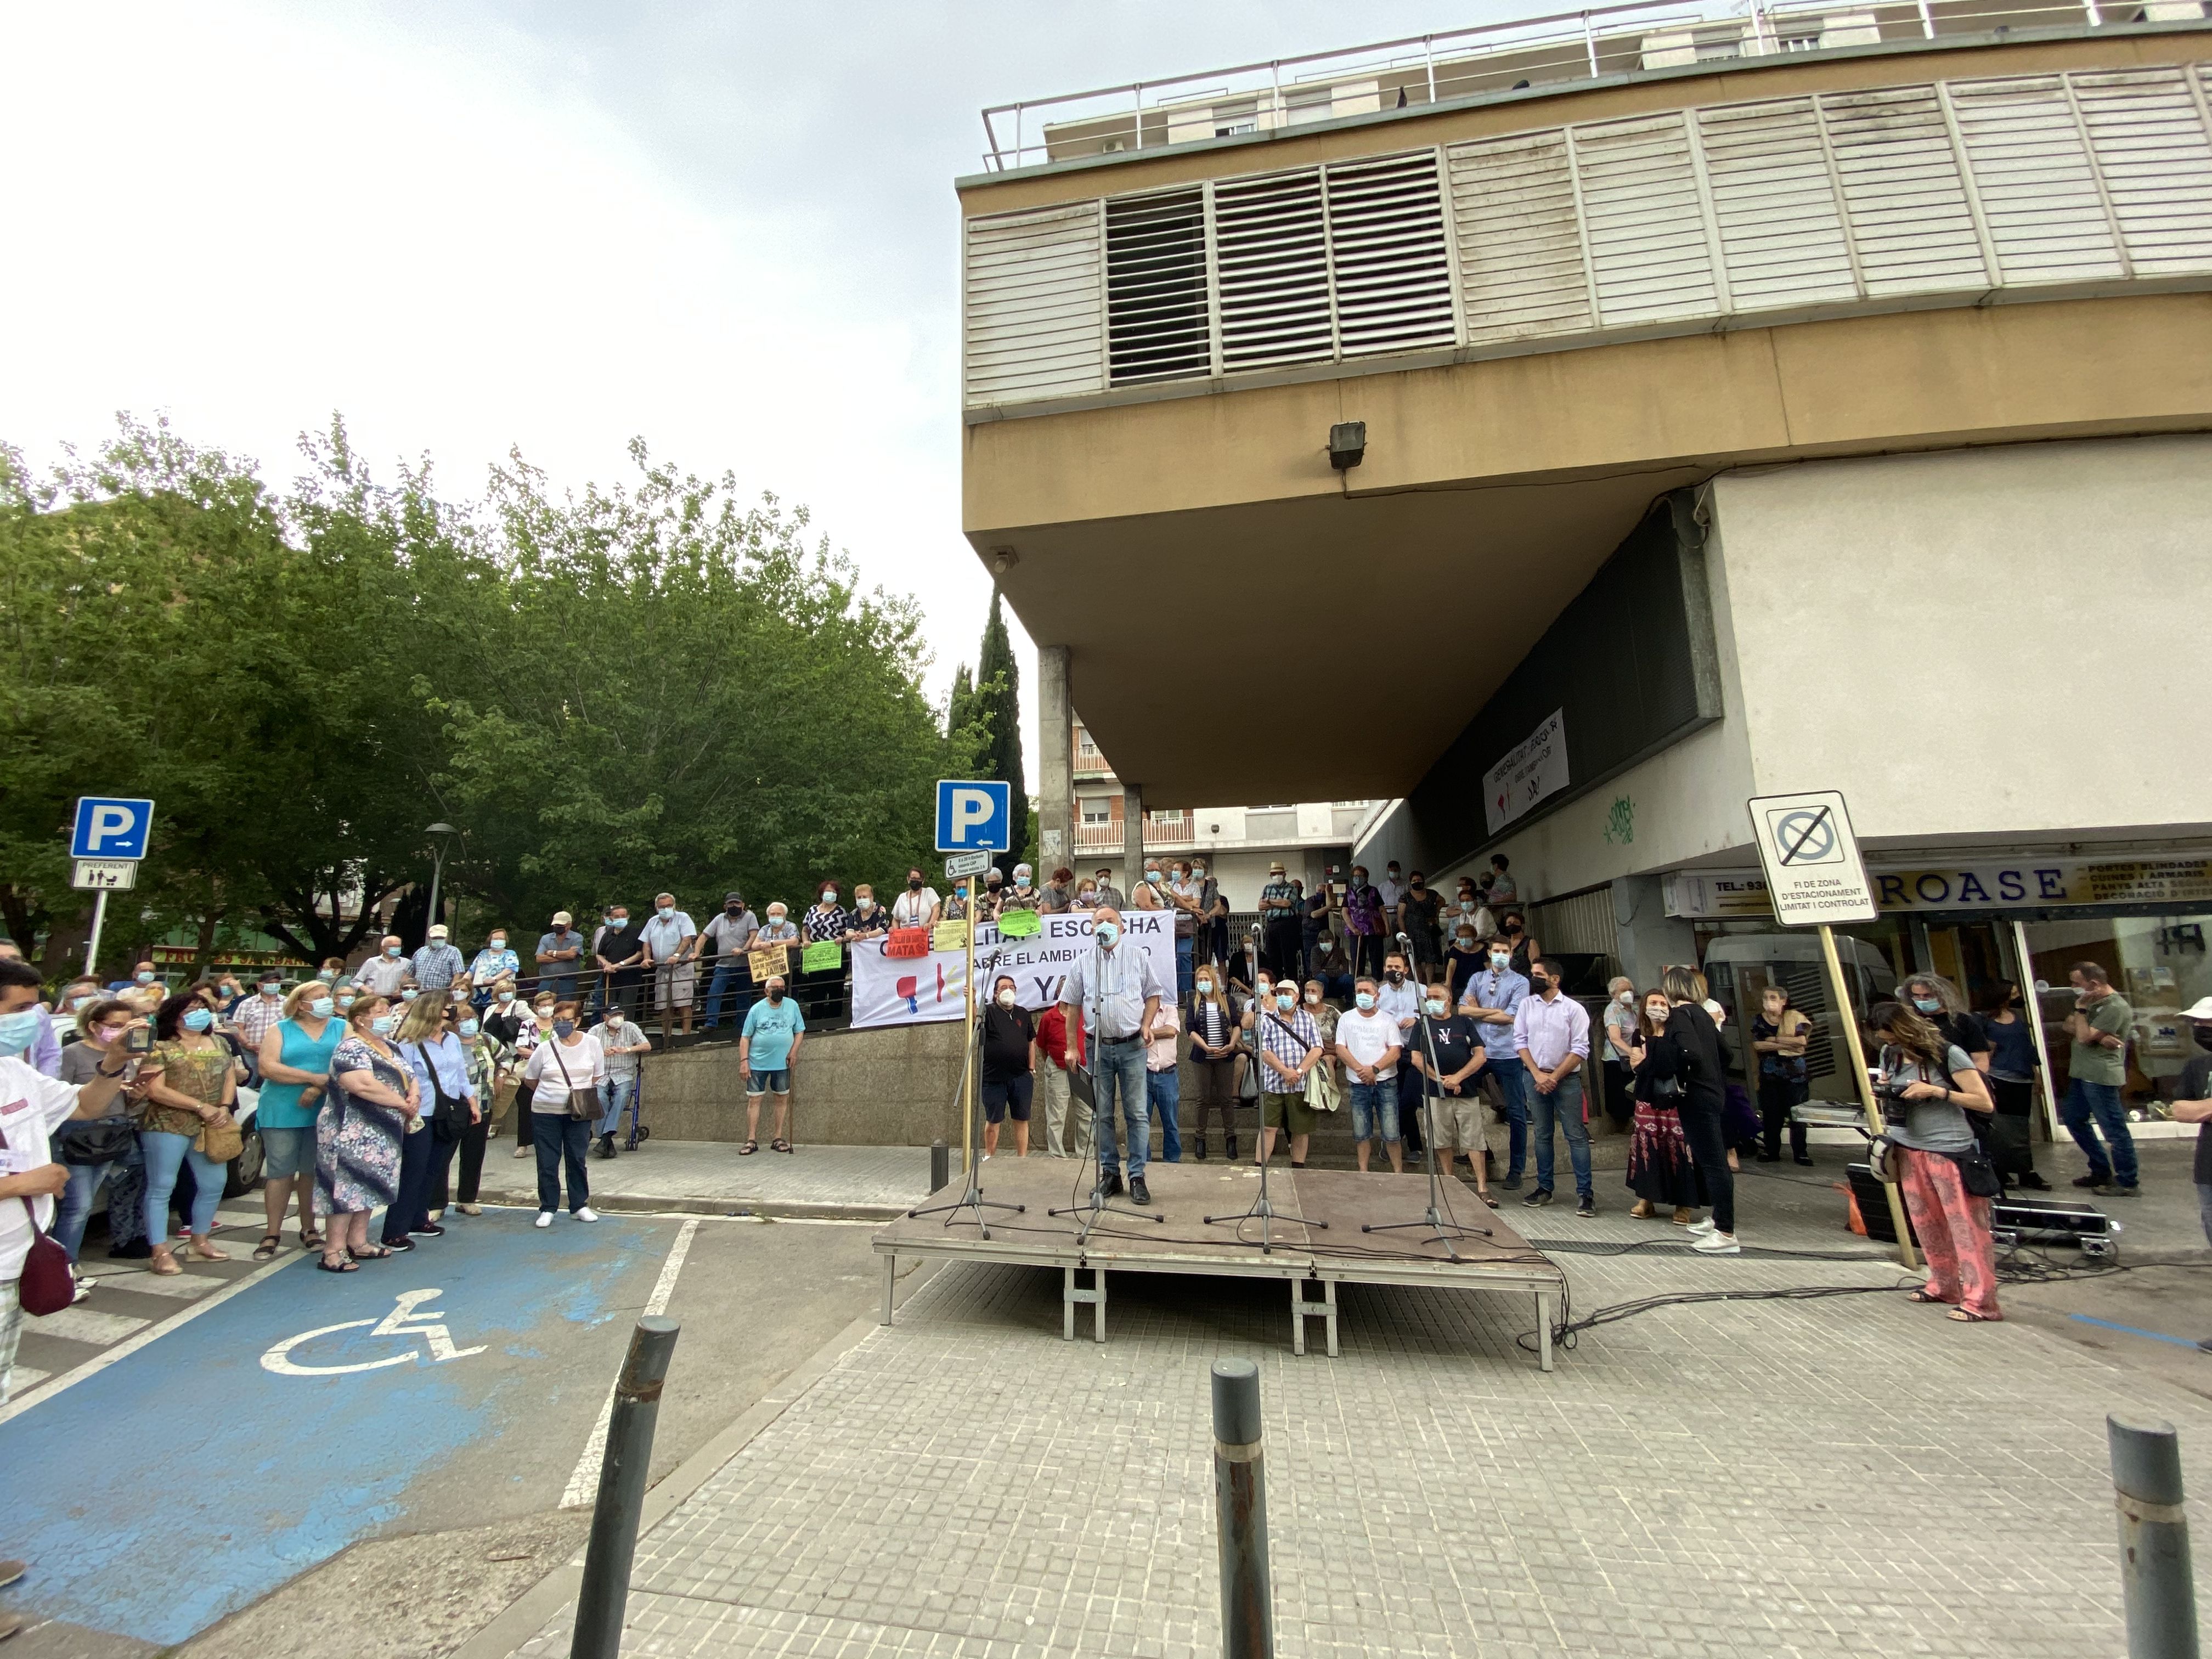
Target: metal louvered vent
[(1781, 231), (1157, 316), (1902, 188), (1648, 245), (1271, 248), (2039, 197), (1389, 258), (1031, 323), (2156, 157), (1520, 238)]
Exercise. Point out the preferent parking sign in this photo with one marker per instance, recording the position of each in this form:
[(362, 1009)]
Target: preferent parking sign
[(111, 828), (974, 816)]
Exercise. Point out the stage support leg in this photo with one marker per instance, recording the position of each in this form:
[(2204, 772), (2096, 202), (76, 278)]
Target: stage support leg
[(1070, 1297), (1544, 1303), (1302, 1309), (890, 1285)]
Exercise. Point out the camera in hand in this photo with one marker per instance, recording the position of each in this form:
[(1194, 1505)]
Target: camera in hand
[(140, 1041)]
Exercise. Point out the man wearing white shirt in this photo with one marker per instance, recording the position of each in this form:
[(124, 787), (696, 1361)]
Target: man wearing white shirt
[(671, 944), (1370, 1044), (1551, 1034), (384, 973), (1393, 890), (1118, 993)]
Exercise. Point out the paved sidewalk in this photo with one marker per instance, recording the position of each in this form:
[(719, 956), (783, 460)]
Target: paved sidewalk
[(1728, 1477), (710, 1178)]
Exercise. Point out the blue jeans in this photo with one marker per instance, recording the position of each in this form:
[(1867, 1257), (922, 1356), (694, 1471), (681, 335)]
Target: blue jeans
[(165, 1155), (2101, 1102), (731, 979), (1163, 1095), (76, 1207), (615, 1093), (1513, 1083), (1182, 974), (1374, 1108), (1117, 1071), (1563, 1106)]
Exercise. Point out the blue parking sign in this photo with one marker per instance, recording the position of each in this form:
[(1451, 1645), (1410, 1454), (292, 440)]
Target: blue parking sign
[(974, 816), (111, 828)]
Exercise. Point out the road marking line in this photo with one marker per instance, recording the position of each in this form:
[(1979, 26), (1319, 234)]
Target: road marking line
[(84, 1325), (185, 1287), (124, 1350), (584, 1483), (2134, 1330)]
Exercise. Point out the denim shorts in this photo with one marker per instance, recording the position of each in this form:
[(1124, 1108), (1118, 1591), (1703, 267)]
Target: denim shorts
[(1012, 1097), (1374, 1108), (777, 1082), (287, 1153)]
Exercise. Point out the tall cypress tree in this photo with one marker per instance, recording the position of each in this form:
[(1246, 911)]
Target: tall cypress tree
[(998, 704), (960, 706)]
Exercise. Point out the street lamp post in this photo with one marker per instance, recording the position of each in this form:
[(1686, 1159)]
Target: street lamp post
[(437, 867)]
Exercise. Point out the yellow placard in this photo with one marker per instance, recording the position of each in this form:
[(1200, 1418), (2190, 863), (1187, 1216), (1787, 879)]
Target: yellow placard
[(768, 960), (949, 936)]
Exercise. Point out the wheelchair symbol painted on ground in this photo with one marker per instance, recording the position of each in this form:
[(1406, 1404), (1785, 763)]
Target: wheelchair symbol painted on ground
[(404, 1320)]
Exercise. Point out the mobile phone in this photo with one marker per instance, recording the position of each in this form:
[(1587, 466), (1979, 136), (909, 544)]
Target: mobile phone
[(140, 1041)]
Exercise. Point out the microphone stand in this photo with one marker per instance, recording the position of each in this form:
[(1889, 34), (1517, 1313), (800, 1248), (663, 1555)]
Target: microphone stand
[(1260, 1207), (1100, 1207), (971, 1203), (1441, 1230)]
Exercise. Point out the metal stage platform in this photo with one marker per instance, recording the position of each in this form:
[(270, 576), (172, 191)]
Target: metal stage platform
[(1185, 1193)]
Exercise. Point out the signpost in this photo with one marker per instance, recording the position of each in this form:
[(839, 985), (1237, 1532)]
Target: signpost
[(109, 842), (1815, 878), (966, 864), (975, 818)]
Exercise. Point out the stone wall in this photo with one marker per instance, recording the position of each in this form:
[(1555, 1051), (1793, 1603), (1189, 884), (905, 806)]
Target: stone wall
[(889, 1087)]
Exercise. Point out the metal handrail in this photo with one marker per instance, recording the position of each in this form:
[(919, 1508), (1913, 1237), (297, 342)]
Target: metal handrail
[(1925, 18)]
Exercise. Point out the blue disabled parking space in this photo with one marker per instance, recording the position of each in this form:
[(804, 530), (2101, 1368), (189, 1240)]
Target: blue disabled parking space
[(258, 1439)]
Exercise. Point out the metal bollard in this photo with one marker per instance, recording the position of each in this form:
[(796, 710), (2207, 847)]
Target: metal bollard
[(1240, 1504), (2156, 1576), (941, 1165), (605, 1593)]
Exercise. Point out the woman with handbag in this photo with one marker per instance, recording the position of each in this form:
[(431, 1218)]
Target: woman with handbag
[(189, 1083), (441, 1065), (1931, 1085), (295, 1070), (1216, 1051), (2011, 1077), (1780, 1035), (488, 1077), (564, 1072), (1704, 1081), (1659, 1169), (367, 1109), (97, 1150)]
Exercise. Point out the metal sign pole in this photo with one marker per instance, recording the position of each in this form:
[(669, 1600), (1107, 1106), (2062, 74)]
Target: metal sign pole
[(1848, 1014), (92, 944), (971, 1133)]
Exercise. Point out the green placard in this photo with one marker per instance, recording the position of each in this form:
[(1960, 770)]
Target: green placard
[(826, 953), (1020, 924)]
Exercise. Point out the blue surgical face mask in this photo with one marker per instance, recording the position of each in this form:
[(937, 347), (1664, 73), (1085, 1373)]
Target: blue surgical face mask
[(1108, 932), (409, 996), (145, 976), (468, 1028), (392, 949), (1436, 1007), (1365, 999), (666, 911), (564, 1027), (197, 1019), (321, 1007), (499, 942), (385, 1024), (345, 1002), (1501, 959), (1928, 1005), (18, 1031), (327, 976), (1285, 1001)]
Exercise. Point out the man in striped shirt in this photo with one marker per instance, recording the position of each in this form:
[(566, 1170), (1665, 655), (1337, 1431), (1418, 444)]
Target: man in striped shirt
[(1288, 1045)]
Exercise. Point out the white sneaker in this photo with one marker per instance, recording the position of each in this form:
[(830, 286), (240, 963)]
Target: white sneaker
[(1718, 1243), (585, 1212), (1701, 1229), (545, 1217), (525, 1152)]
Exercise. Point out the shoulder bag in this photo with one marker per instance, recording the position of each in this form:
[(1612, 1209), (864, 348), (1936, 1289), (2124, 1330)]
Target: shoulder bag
[(47, 1285), (583, 1110), (448, 1116), (101, 1140)]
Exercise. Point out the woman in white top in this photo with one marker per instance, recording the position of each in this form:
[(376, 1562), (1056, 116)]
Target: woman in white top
[(917, 906), (569, 1064)]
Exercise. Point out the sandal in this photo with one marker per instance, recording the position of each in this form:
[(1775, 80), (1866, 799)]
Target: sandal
[(1488, 1200), (163, 1262), (1923, 1296), (207, 1253), (311, 1241), (1966, 1318), (778, 1146), (269, 1244), (749, 1149), (369, 1253), (343, 1264)]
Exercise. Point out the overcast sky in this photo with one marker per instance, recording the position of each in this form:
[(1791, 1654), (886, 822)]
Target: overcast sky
[(729, 229)]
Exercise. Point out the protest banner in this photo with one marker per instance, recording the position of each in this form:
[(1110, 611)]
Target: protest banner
[(887, 991)]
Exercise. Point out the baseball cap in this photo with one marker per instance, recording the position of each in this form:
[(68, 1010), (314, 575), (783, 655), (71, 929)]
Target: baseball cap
[(438, 931), (561, 918), (2202, 1011)]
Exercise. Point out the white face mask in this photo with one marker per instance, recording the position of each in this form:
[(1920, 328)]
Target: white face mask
[(1006, 999), (1627, 999), (1657, 1013)]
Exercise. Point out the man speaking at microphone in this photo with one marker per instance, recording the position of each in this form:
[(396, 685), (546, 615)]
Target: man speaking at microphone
[(1119, 993)]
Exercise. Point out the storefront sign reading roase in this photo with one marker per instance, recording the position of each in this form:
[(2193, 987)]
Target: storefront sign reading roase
[(2013, 884), (1814, 874)]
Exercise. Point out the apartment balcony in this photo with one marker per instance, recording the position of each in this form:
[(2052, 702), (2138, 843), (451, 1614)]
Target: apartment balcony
[(1315, 825), (1093, 765)]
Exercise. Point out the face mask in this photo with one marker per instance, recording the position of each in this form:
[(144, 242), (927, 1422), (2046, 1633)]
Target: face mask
[(775, 918), (829, 895), (1396, 976), (1022, 882), (409, 996), (143, 978), (392, 949), (913, 884), (1465, 941), (866, 903), (321, 1007), (1086, 896), (1108, 932), (1657, 1014), (1153, 877), (775, 994), (327, 976), (383, 1024), (499, 944), (564, 1027), (618, 922), (1393, 872), (1205, 988), (1286, 1002), (1500, 960), (1539, 984), (1365, 999), (197, 1019), (107, 1034), (467, 1028), (18, 1031), (79, 1002), (270, 988), (1006, 999), (345, 1002), (1321, 941), (546, 1012), (1436, 1007), (2204, 1034), (960, 891), (1313, 997), (1928, 1005), (506, 997), (666, 912), (1512, 927), (1627, 999), (1198, 875)]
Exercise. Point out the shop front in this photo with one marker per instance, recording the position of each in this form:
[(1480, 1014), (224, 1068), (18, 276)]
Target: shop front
[(1983, 924)]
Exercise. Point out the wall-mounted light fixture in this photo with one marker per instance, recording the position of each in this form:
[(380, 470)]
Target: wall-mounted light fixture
[(1348, 443)]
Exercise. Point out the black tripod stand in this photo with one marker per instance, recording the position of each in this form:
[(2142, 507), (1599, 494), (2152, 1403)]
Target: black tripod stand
[(1266, 1212), (1441, 1231), (971, 1203), (1100, 1207)]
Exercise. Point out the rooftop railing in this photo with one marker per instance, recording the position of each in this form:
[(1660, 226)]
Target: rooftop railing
[(1555, 49)]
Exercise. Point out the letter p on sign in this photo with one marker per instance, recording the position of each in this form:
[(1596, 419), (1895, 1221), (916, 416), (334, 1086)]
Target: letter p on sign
[(111, 828), (974, 815)]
